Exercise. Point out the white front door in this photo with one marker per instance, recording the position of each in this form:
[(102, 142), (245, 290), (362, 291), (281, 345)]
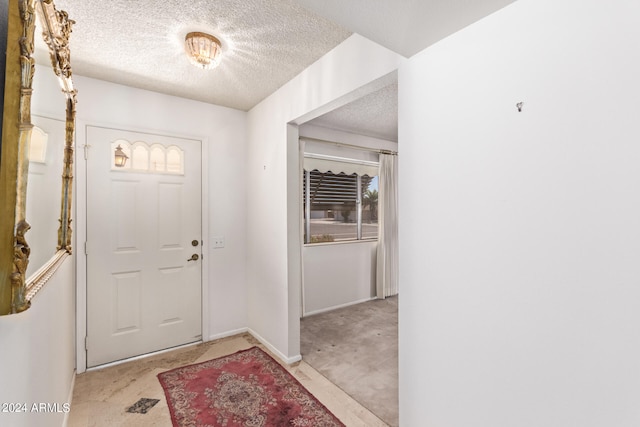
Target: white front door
[(144, 283)]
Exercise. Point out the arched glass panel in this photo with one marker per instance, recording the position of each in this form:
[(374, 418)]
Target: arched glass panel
[(158, 163)]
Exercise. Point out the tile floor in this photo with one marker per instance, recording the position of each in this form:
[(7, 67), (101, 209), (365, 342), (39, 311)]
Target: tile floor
[(102, 397), (356, 348)]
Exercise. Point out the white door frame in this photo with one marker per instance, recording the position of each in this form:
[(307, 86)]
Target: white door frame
[(80, 230)]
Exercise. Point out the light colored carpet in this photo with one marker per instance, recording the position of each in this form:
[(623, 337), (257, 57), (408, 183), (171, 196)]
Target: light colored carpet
[(356, 348)]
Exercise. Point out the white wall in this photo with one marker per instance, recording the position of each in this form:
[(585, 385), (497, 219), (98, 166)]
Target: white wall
[(325, 135), (273, 223), (519, 232), (338, 274), (224, 150), (37, 359)]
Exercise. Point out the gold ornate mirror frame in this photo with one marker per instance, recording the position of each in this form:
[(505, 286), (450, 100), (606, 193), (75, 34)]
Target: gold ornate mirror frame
[(15, 292)]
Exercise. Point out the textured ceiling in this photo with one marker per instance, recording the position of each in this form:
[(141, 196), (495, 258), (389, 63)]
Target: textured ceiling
[(265, 44), (374, 115), (141, 44)]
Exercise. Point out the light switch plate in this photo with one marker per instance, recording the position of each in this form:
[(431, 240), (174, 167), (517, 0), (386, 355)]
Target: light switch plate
[(218, 242)]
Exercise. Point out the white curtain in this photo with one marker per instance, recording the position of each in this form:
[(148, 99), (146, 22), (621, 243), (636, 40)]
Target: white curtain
[(387, 263)]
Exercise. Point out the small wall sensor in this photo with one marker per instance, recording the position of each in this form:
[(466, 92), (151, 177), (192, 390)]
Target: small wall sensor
[(519, 106)]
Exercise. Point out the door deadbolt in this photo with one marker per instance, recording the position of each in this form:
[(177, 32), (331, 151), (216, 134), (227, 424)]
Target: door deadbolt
[(194, 257), (194, 243)]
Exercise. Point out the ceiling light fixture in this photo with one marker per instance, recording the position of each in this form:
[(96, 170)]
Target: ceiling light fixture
[(203, 49)]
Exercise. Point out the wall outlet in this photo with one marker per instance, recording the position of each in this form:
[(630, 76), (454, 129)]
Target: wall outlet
[(218, 242)]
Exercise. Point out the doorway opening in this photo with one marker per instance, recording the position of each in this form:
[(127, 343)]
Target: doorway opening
[(343, 324)]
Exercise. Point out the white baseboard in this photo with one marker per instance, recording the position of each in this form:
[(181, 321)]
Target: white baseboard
[(228, 334), (335, 307), (287, 360)]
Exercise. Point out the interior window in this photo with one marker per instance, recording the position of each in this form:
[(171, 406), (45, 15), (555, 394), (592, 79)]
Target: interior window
[(339, 207)]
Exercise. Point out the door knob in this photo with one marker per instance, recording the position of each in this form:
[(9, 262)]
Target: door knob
[(194, 257)]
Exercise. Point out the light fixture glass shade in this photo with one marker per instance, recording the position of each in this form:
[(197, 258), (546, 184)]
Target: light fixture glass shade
[(203, 49), (119, 157)]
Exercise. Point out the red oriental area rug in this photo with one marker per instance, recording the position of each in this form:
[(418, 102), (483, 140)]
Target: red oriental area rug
[(247, 388)]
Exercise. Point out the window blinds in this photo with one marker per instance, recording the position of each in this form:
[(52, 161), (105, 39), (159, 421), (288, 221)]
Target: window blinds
[(337, 165)]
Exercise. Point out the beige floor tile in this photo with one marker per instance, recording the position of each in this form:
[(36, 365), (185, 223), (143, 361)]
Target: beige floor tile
[(101, 397)]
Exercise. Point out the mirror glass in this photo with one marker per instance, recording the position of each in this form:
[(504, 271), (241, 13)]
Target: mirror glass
[(44, 187), (47, 139), (46, 155)]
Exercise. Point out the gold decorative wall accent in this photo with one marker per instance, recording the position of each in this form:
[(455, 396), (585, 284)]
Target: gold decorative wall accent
[(15, 293)]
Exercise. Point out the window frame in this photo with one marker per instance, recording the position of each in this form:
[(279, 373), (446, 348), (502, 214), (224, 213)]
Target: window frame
[(306, 186)]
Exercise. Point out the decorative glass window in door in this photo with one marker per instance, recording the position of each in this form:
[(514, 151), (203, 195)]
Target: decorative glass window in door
[(38, 145), (141, 156)]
